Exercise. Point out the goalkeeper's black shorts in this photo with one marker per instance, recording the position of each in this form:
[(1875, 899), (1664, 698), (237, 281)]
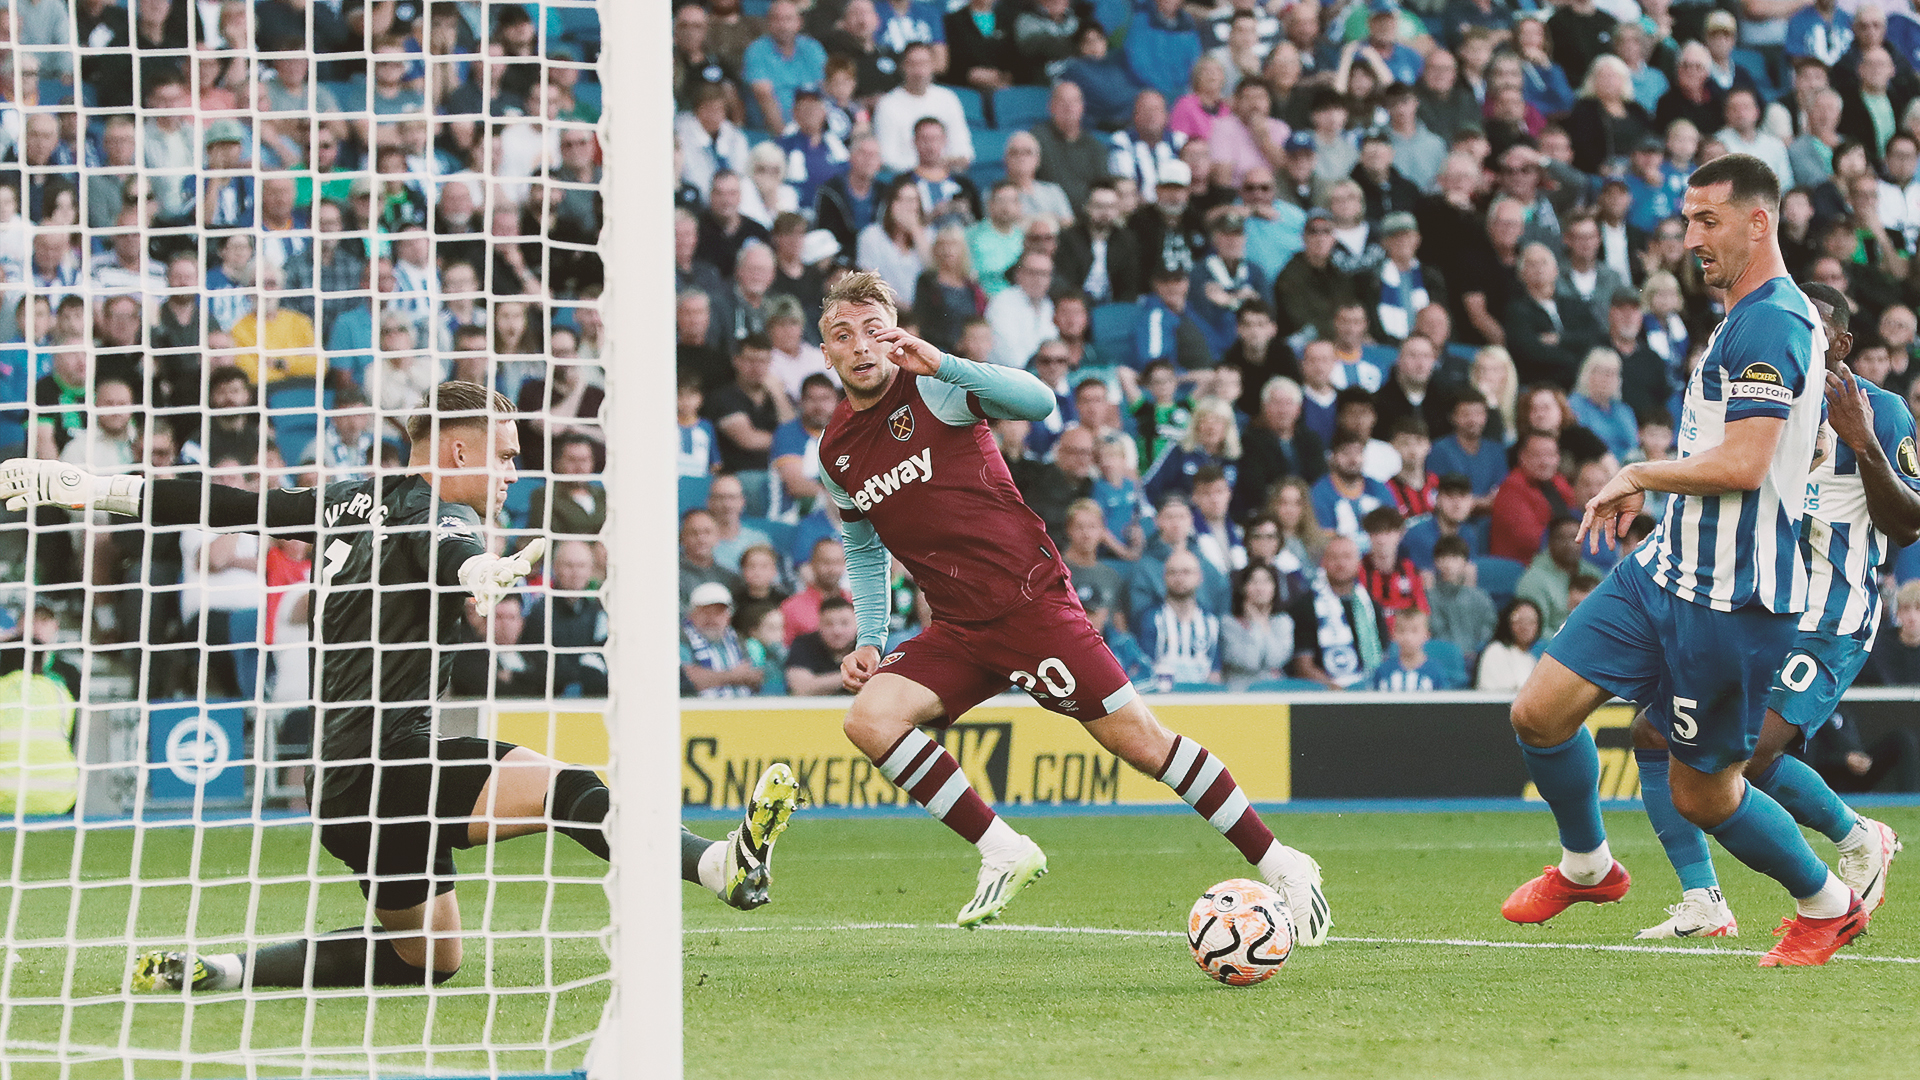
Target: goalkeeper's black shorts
[(397, 827)]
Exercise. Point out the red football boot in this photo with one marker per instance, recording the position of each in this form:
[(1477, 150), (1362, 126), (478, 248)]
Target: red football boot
[(1550, 894), (1806, 942)]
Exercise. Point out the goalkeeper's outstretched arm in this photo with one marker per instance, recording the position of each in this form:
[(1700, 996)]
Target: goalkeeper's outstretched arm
[(28, 482)]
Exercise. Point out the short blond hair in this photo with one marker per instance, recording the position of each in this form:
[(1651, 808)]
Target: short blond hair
[(859, 287), (1908, 596), (453, 404)]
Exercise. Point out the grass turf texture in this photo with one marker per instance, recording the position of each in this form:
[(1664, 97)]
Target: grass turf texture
[(934, 1001), (523, 968)]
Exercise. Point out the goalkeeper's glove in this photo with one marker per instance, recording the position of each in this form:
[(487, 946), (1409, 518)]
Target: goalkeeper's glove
[(491, 577), (28, 482)]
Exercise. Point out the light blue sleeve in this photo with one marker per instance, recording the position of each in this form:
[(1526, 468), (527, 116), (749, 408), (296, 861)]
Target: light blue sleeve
[(867, 564), (1001, 393)]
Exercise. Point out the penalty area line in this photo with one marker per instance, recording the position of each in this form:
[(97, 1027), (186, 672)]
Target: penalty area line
[(1467, 943)]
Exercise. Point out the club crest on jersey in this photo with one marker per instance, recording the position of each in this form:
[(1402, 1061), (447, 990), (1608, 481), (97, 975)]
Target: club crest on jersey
[(450, 526), (900, 423), (1760, 382), (878, 487)]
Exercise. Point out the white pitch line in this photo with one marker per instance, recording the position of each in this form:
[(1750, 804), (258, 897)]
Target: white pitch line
[(1476, 943)]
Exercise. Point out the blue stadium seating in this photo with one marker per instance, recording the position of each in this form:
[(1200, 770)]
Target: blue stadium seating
[(294, 414), (1755, 64), (1198, 688), (989, 154), (1018, 108), (519, 504), (576, 26), (780, 532), (1113, 332), (349, 94), (1113, 14), (973, 104), (1497, 576), (587, 93), (693, 492), (1284, 686), (756, 8)]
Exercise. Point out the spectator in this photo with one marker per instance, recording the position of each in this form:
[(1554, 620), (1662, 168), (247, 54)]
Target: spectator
[(847, 203), (1022, 316), (695, 65), (1049, 488), (1166, 330), (946, 197), (1147, 148), (813, 659), (1211, 439), (1039, 199), (1468, 451), (896, 246), (1268, 630), (1276, 446), (1895, 659), (1354, 411), (1070, 156), (740, 312), (746, 414), (778, 64), (1695, 97), (1414, 487), (1216, 537), (1257, 355), (284, 337), (813, 155), (1841, 757), (899, 109), (110, 441), (709, 142), (794, 358), (1389, 576), (1549, 576), (1448, 103), (1043, 41), (1291, 506), (1452, 515), (1418, 153), (232, 426), (498, 669), (1275, 227), (1597, 406), (221, 598), (1509, 658), (712, 662), (1194, 112), (1348, 628), (347, 440), (724, 230), (1098, 584), (1162, 46), (698, 536), (1180, 637), (979, 46), (1117, 490), (760, 587), (579, 506), (768, 195), (1547, 329), (796, 450), (1104, 80), (1585, 275), (1224, 280), (1607, 122), (1743, 134), (1146, 585), (855, 41), (822, 577), (1317, 367), (946, 294), (1344, 497), (1417, 663), (1530, 498), (1171, 231), (1462, 613), (1401, 285), (997, 242), (1312, 288)]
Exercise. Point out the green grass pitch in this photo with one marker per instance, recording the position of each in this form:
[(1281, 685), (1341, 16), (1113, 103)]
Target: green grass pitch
[(791, 991), (774, 994)]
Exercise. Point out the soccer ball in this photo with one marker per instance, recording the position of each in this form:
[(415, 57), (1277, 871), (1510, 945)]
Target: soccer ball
[(1240, 932)]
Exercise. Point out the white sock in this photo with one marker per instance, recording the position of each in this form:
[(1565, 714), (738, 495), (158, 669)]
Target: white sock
[(1275, 863), (1709, 897), (999, 844), (1857, 837), (227, 970), (1586, 867), (713, 869), (1831, 902)]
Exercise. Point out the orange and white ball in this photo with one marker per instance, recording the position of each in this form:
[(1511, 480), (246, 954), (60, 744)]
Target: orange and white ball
[(1240, 932)]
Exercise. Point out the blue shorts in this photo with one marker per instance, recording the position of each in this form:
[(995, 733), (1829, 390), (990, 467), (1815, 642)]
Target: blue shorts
[(1820, 667), (1698, 672)]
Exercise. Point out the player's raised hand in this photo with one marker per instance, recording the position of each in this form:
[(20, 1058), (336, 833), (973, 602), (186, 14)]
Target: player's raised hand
[(1848, 409), (914, 356), (26, 482), (1611, 512), (859, 666)]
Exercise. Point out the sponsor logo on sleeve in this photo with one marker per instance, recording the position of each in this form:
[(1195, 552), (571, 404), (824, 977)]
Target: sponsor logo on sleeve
[(1760, 381), (451, 526), (1909, 459)]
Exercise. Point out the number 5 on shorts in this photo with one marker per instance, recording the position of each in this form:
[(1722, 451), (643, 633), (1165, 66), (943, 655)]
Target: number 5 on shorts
[(1685, 727)]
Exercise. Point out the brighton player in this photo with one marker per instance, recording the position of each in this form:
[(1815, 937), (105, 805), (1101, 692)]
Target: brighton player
[(392, 800), (1863, 501), (1694, 623), (914, 470)]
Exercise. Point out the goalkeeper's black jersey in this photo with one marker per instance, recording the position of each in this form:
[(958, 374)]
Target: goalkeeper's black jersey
[(386, 566)]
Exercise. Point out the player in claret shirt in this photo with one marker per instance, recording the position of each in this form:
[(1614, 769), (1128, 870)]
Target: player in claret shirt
[(910, 462)]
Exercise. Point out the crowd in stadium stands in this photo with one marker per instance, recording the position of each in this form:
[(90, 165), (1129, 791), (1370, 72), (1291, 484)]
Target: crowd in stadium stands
[(1348, 307), (272, 229)]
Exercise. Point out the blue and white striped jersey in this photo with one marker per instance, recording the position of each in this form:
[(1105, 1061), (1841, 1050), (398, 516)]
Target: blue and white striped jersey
[(1728, 551), (1844, 551)]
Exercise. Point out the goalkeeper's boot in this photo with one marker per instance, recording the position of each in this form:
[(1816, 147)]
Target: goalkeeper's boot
[(159, 969), (748, 867), (1701, 913), (998, 883), (1864, 868), (1551, 893), (1299, 886)]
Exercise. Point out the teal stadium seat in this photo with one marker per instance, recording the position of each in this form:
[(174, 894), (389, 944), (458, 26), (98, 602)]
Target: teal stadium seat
[(1113, 332), (693, 492), (1284, 686), (1198, 688), (519, 504), (989, 158), (349, 94), (1497, 576), (780, 532), (973, 105), (1018, 108), (293, 412)]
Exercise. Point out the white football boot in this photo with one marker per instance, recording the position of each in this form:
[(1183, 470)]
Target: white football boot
[(1701, 913)]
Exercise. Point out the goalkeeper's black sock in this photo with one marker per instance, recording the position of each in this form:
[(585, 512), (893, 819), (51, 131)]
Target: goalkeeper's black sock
[(579, 809), (693, 849), (339, 959)]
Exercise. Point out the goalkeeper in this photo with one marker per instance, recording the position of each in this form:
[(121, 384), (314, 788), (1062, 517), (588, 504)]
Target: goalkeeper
[(403, 555)]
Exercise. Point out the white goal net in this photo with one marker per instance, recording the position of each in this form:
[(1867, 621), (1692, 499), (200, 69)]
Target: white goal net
[(241, 240)]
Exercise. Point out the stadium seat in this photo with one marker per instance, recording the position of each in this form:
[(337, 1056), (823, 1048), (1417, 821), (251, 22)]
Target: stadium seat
[(755, 8), (1755, 64), (587, 93), (1497, 576), (1113, 14), (974, 105), (1284, 686), (293, 411), (693, 492), (1198, 688), (349, 94), (519, 504), (1113, 332), (780, 532), (1018, 108), (55, 91), (989, 154), (577, 26)]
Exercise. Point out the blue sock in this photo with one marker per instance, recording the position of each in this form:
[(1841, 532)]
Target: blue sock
[(1794, 785), (1568, 777), (1686, 845), (1764, 836)]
